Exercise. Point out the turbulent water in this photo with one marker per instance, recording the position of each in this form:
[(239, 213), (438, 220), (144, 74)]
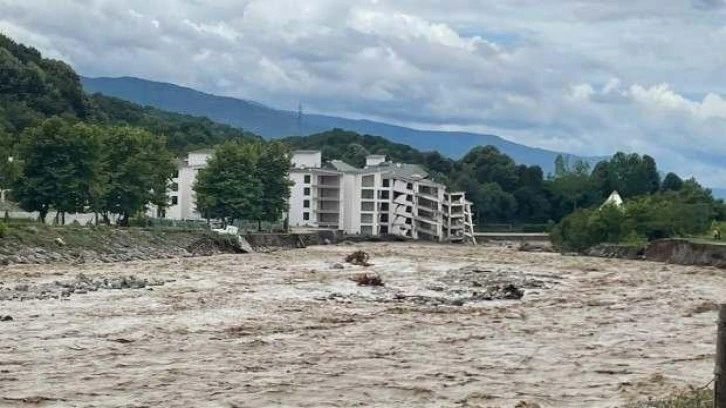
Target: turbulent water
[(293, 329)]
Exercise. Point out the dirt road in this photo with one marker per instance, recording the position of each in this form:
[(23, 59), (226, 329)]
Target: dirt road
[(291, 329)]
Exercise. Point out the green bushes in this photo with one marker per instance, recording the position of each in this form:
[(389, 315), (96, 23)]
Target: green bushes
[(638, 221), (3, 229)]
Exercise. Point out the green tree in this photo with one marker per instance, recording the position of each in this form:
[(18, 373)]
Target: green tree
[(632, 175), (229, 188), (585, 228), (561, 166), (533, 200), (672, 182), (355, 154), (9, 170), (602, 178), (572, 232), (59, 167), (137, 170), (272, 169), (494, 205), (488, 165), (572, 188)]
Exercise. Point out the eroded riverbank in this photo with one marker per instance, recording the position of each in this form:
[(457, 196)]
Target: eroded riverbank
[(291, 329)]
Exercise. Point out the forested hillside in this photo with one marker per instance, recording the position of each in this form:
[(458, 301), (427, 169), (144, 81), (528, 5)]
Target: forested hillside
[(33, 88), (183, 132), (275, 123)]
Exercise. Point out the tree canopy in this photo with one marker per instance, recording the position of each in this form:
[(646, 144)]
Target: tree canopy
[(136, 171), (244, 181), (60, 165)]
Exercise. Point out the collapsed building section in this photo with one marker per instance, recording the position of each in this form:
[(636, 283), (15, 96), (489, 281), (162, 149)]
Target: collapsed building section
[(382, 198)]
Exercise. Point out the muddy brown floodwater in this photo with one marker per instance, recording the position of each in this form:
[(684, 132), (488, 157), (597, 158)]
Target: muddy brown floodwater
[(292, 329)]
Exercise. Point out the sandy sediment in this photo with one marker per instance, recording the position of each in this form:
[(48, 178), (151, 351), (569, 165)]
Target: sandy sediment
[(292, 329)]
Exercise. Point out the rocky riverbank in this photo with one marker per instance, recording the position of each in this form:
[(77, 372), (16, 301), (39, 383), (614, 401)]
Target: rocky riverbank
[(687, 252), (617, 251), (671, 251), (38, 245)]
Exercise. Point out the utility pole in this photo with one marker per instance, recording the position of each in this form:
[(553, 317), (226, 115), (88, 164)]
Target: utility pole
[(719, 387)]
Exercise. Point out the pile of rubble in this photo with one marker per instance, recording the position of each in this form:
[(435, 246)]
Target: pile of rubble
[(82, 284), (474, 277), (456, 287)]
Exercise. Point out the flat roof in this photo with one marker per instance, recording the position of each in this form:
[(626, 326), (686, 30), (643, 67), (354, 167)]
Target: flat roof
[(202, 151), (306, 151), (327, 172)]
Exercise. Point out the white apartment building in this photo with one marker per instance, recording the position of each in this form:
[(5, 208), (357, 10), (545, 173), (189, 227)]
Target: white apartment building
[(182, 204), (383, 198)]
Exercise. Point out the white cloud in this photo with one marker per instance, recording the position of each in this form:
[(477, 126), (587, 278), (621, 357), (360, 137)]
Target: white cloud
[(412, 28)]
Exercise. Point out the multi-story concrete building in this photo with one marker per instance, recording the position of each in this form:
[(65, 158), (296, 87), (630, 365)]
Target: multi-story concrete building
[(182, 205), (383, 198)]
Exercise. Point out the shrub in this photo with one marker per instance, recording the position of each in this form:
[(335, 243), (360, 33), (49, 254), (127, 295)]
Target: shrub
[(572, 233), (3, 229), (702, 398)]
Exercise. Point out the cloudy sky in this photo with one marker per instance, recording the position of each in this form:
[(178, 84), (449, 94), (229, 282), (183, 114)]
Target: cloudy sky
[(583, 76)]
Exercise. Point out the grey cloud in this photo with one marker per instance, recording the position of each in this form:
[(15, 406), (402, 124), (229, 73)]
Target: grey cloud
[(424, 62), (709, 4)]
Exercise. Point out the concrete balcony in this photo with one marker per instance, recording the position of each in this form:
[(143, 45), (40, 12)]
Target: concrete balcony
[(429, 213), (402, 200), (426, 220), (430, 197), (335, 199), (325, 211), (327, 185), (403, 212), (427, 230)]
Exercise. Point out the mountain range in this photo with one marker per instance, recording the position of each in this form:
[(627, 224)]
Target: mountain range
[(274, 123)]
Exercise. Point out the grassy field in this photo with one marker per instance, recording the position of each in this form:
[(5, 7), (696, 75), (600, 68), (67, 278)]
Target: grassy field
[(694, 399)]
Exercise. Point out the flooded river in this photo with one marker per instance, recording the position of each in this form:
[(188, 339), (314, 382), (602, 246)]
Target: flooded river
[(292, 329)]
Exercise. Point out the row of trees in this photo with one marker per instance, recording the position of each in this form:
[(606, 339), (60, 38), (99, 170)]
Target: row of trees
[(73, 167), (245, 181)]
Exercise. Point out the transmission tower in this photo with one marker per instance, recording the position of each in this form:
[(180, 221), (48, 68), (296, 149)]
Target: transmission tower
[(299, 119)]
